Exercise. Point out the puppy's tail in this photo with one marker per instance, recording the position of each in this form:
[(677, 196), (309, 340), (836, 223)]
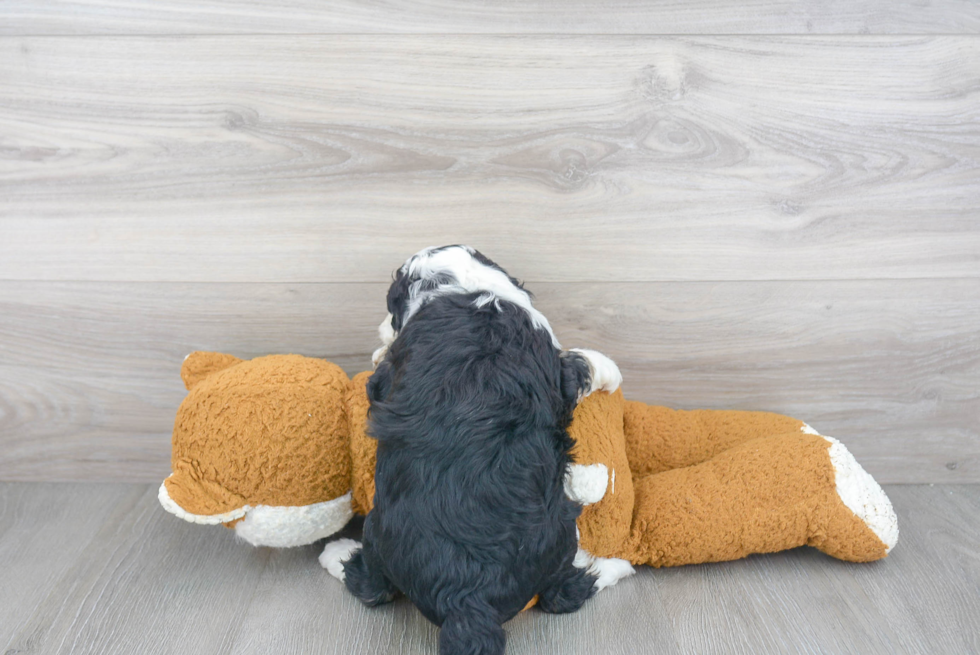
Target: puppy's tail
[(471, 632)]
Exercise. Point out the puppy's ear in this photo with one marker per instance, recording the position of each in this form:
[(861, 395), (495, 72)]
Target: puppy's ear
[(398, 296), (379, 384), (576, 376)]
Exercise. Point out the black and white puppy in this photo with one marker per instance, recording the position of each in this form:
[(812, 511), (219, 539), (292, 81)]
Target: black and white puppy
[(470, 403)]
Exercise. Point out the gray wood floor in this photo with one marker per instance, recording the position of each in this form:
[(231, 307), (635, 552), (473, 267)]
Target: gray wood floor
[(100, 568)]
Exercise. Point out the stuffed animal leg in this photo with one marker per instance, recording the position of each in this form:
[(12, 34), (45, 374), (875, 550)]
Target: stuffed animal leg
[(707, 485), (661, 439), (763, 495)]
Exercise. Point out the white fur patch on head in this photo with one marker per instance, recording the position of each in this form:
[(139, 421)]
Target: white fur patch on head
[(863, 495), (608, 570), (282, 527), (471, 276), (605, 374), (336, 553), (586, 483)]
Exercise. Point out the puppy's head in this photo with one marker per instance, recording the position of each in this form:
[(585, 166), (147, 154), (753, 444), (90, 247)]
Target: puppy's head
[(438, 271)]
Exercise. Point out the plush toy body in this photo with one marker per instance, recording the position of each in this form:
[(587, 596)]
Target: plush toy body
[(703, 486), (263, 446), (276, 448)]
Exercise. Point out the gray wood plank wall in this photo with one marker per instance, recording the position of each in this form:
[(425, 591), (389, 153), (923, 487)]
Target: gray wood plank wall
[(482, 17), (769, 208)]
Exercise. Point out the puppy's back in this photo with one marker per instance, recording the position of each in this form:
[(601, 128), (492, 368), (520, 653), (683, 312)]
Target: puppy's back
[(469, 508)]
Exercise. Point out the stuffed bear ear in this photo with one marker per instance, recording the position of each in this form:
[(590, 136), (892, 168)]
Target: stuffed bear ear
[(198, 365)]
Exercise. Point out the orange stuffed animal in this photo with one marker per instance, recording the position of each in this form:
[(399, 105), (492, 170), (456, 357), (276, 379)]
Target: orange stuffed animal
[(276, 448)]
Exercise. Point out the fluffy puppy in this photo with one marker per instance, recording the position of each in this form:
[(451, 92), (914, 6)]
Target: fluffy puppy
[(470, 404)]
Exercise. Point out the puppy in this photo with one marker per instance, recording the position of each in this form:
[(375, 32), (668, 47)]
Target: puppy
[(470, 403)]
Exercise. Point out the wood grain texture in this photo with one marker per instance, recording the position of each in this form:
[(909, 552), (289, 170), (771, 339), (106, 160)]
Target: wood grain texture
[(89, 372), (279, 619), (938, 526), (800, 601), (285, 159), (568, 17), (72, 426), (149, 583), (43, 533)]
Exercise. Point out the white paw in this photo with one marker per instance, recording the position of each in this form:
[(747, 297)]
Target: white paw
[(385, 331), (605, 373), (387, 335), (335, 554), (378, 355), (863, 495), (608, 570), (586, 483)]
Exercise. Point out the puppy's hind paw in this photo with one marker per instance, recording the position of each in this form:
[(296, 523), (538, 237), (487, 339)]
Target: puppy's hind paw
[(336, 553), (605, 373), (607, 570)]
